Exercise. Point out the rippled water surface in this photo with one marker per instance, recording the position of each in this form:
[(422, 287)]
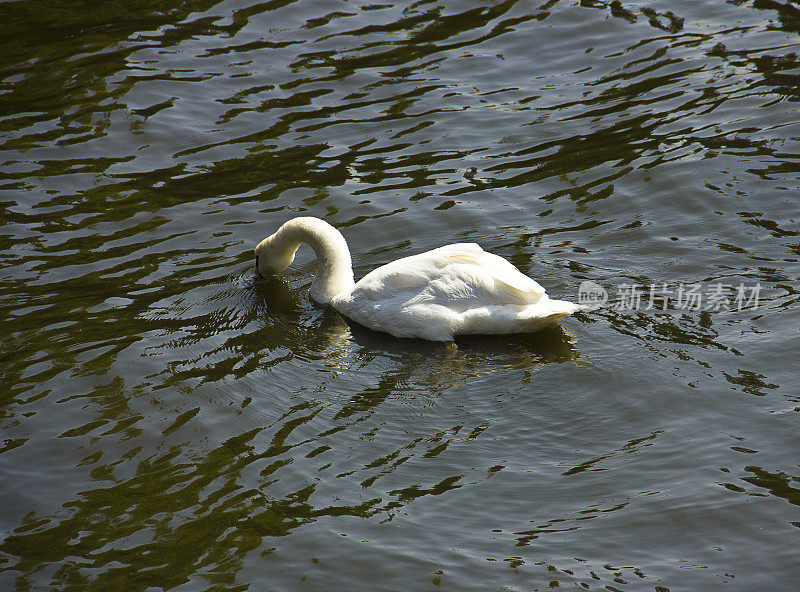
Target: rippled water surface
[(168, 421)]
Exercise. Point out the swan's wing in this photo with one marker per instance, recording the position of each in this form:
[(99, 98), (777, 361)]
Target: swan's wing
[(448, 291), (461, 275), (491, 280)]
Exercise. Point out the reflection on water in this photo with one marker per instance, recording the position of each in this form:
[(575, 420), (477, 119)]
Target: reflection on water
[(167, 421)]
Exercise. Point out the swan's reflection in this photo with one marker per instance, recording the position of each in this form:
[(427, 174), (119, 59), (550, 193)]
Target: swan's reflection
[(319, 332)]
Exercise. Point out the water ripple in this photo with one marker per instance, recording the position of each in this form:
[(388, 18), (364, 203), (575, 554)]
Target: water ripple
[(171, 421)]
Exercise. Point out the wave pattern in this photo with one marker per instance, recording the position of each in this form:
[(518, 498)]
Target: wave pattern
[(169, 421)]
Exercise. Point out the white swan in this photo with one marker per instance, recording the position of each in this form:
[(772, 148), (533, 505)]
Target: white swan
[(453, 290)]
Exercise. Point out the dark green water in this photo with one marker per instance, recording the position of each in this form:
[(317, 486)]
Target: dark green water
[(167, 422)]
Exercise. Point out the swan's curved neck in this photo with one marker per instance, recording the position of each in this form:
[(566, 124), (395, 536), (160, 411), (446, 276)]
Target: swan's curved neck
[(334, 265)]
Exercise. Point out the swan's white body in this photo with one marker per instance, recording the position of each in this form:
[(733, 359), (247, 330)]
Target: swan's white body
[(453, 290)]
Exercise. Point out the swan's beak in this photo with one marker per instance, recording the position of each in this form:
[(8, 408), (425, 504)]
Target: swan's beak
[(257, 270)]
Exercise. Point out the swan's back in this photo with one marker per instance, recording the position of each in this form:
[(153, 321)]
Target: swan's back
[(456, 289)]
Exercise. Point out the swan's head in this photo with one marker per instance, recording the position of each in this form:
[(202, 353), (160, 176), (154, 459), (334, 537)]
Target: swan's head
[(272, 258)]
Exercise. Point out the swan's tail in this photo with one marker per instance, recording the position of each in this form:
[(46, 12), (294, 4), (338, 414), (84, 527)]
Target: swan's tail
[(514, 318), (544, 313), (550, 308)]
